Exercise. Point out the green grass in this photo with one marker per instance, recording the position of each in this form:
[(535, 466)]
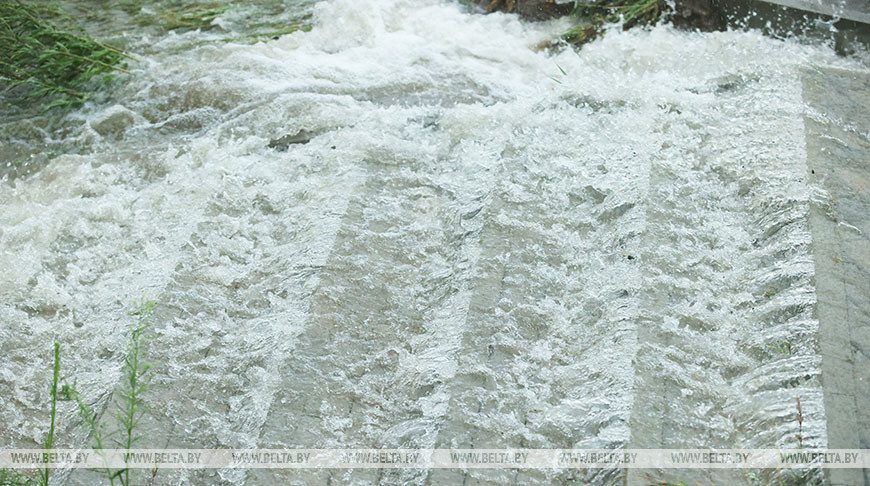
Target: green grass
[(129, 406), (41, 61), (90, 418), (175, 15), (178, 16), (48, 61), (595, 15), (11, 477), (49, 440), (136, 381)]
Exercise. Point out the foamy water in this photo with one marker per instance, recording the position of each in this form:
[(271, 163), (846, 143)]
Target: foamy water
[(485, 244)]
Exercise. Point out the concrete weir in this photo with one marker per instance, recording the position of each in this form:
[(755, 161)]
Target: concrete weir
[(836, 125), (839, 159), (836, 128)]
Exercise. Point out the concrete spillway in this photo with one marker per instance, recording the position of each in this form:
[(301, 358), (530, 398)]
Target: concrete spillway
[(838, 158), (657, 241)]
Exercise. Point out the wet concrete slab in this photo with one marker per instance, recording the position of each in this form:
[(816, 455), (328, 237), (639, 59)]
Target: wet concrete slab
[(857, 10), (838, 156), (726, 337), (836, 136), (843, 24)]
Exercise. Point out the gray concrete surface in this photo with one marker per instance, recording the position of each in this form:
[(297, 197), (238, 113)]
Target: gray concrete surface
[(836, 132), (843, 24), (838, 156), (857, 10)]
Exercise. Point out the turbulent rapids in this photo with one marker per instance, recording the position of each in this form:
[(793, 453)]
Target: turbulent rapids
[(481, 244)]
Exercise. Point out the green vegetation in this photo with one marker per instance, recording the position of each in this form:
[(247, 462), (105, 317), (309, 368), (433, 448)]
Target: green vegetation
[(181, 16), (11, 477), (40, 60), (48, 61), (49, 440), (273, 34), (90, 418), (137, 379), (782, 349), (799, 417), (595, 15), (191, 18), (130, 406)]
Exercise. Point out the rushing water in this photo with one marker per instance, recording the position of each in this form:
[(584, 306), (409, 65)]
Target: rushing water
[(484, 244)]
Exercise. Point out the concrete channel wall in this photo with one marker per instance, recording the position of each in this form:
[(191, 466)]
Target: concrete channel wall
[(838, 161), (855, 10), (845, 23)]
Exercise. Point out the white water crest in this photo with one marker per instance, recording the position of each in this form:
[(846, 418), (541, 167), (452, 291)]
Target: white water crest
[(484, 244)]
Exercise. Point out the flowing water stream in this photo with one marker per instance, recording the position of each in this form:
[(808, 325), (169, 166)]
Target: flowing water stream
[(483, 244)]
